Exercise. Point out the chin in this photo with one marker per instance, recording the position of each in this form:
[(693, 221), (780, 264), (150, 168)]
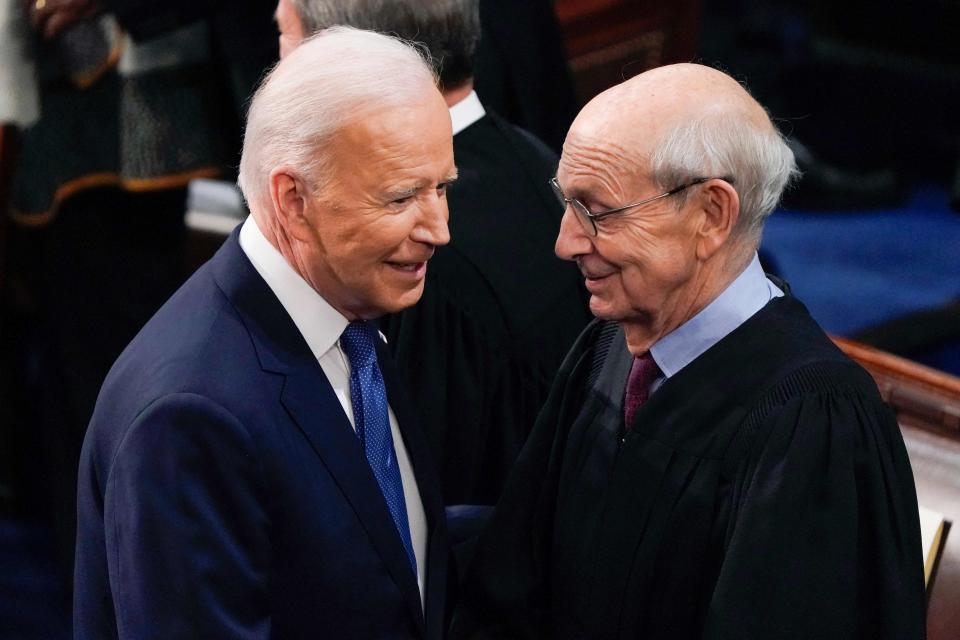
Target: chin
[(604, 310), (403, 300)]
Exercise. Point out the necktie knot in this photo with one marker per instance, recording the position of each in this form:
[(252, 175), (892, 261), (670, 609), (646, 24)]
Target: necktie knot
[(359, 343), (643, 373)]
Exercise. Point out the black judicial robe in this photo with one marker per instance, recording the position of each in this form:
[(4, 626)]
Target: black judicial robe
[(498, 314), (763, 492)]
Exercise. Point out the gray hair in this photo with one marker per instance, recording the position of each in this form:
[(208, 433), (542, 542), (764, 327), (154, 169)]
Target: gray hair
[(328, 81), (724, 143), (450, 29)]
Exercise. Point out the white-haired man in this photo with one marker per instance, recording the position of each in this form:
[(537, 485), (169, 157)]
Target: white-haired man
[(709, 465), (499, 312), (251, 470)]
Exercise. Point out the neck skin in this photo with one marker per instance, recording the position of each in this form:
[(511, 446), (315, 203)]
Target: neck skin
[(458, 93), (276, 236), (713, 277)]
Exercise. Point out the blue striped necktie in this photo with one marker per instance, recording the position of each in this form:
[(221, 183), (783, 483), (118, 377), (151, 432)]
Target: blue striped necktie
[(369, 398)]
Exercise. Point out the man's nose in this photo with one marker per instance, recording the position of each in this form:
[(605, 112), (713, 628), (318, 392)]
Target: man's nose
[(572, 241), (432, 224)]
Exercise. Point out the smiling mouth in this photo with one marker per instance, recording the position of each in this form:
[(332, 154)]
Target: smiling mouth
[(412, 268), (591, 275), (595, 277)]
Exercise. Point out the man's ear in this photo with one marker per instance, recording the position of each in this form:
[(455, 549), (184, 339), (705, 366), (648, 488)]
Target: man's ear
[(290, 197), (721, 210)]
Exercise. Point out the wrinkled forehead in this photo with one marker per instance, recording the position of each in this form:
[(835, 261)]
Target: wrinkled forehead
[(610, 141), (627, 123)]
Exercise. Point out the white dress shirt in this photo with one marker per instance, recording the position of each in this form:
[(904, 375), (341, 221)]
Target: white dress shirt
[(321, 326), (466, 112)]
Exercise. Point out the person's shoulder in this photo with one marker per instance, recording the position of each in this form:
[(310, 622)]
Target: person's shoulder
[(811, 361), (195, 343), (525, 141), (493, 134)]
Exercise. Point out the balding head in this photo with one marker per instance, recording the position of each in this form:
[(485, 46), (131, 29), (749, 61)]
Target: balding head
[(682, 91), (683, 121), (678, 168)]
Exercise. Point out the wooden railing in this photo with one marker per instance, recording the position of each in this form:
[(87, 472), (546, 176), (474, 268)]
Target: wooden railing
[(921, 396)]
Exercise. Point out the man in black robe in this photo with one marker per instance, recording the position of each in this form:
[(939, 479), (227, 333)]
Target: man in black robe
[(708, 464), (499, 311)]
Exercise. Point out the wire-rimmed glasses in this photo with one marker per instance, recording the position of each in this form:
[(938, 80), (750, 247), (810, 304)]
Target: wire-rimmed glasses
[(589, 219)]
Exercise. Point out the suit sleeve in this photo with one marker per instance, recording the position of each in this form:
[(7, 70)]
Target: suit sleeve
[(186, 537), (826, 542)]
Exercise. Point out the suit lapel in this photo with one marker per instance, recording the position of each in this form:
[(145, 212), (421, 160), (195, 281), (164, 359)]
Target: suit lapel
[(307, 396), (312, 404)]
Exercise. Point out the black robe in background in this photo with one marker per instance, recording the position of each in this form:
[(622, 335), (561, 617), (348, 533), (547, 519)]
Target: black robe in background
[(763, 493), (521, 69), (498, 313)]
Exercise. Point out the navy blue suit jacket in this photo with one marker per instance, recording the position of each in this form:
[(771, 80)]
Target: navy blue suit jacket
[(224, 494)]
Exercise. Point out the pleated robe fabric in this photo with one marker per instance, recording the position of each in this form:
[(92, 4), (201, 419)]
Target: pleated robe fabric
[(763, 492)]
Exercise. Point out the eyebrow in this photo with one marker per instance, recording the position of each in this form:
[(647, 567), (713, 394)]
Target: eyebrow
[(395, 194), (450, 178)]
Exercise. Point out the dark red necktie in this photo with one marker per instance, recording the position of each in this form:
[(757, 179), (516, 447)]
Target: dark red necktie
[(642, 374)]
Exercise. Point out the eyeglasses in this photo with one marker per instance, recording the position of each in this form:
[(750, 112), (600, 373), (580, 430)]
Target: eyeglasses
[(589, 219)]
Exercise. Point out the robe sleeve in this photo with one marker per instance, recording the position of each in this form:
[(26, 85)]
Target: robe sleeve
[(507, 590), (825, 538)]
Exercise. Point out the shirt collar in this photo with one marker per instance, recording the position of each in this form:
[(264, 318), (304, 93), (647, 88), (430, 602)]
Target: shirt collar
[(746, 295), (319, 323), (466, 112)]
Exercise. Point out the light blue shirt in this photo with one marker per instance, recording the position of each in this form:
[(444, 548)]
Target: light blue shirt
[(746, 295)]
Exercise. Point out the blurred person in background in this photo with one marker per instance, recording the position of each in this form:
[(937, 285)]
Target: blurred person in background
[(134, 99)]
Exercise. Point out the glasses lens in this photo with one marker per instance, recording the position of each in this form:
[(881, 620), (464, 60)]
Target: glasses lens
[(584, 217)]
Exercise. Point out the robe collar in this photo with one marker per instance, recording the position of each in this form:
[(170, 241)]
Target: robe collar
[(746, 295)]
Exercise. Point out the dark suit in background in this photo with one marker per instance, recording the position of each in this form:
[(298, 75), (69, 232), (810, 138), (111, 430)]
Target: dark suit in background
[(224, 488), (498, 313), (521, 68)]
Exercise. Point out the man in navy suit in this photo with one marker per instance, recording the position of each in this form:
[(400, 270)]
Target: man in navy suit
[(251, 469)]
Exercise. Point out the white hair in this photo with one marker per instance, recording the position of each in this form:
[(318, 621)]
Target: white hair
[(725, 143), (331, 79)]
